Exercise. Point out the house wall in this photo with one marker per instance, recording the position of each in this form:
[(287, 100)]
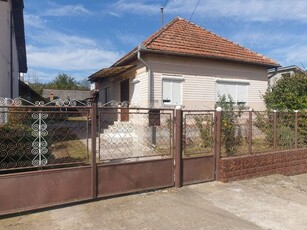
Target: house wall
[(200, 76), (277, 76), (138, 75), (5, 56)]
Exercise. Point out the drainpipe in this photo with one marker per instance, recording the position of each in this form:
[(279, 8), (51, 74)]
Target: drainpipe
[(153, 128), (140, 48)]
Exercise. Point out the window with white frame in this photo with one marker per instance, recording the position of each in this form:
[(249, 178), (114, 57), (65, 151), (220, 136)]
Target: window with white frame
[(237, 90), (136, 93), (172, 91)]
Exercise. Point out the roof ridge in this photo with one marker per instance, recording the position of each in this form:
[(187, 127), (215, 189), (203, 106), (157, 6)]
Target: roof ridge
[(160, 31), (258, 54), (208, 43)]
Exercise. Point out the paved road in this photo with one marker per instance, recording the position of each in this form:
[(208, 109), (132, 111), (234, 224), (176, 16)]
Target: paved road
[(274, 202)]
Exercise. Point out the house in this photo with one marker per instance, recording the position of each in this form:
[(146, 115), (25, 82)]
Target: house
[(13, 59), (277, 73), (184, 64), (27, 93), (53, 94)]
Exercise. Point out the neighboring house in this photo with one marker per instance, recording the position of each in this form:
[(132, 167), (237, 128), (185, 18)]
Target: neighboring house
[(12, 47), (184, 64), (27, 93), (277, 73), (53, 94)]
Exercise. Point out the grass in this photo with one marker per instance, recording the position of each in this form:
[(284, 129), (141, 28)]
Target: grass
[(81, 118), (73, 149), (197, 149)]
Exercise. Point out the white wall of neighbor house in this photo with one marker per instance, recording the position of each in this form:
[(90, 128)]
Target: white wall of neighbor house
[(4, 49), (278, 76), (200, 78), (5, 53)]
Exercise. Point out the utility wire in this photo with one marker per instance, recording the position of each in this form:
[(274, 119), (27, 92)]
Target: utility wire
[(194, 10), (165, 4)]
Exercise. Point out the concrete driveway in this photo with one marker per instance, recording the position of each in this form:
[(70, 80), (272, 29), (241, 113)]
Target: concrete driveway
[(273, 202)]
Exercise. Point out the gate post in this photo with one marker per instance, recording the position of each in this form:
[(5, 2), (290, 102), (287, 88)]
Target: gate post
[(93, 146), (178, 148), (250, 131), (295, 128), (218, 143), (275, 129)]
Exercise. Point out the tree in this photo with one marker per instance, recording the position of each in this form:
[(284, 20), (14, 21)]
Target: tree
[(84, 84), (63, 81), (289, 93)]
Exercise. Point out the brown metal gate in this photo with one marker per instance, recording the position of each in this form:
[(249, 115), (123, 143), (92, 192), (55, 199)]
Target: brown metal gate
[(134, 155), (198, 146), (70, 151)]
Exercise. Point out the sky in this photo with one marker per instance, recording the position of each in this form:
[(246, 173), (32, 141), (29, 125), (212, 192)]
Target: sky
[(82, 36)]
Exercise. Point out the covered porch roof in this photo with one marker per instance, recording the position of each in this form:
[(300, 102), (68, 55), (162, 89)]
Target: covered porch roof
[(110, 72)]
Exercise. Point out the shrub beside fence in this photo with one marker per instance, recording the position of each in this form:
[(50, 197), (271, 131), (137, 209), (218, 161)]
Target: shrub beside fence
[(265, 143), (254, 132)]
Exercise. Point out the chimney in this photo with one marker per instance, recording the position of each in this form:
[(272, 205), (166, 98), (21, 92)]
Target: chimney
[(51, 96)]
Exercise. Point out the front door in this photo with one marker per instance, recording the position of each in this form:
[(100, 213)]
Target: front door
[(124, 96)]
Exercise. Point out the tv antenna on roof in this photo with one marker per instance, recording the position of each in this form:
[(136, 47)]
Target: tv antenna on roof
[(303, 65), (162, 16), (162, 12)]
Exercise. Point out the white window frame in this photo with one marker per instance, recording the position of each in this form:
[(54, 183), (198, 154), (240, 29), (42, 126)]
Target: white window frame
[(171, 78), (236, 83), (136, 98)]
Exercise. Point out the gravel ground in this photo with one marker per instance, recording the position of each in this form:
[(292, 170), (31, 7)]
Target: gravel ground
[(273, 202)]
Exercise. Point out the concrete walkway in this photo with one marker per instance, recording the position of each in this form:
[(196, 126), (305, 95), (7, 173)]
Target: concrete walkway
[(274, 202)]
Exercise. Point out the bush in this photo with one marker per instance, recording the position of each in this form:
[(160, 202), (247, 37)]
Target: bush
[(205, 126), (231, 134)]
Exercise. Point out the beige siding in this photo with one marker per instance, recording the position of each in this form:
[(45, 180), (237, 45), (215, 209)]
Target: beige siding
[(199, 84), (139, 74)]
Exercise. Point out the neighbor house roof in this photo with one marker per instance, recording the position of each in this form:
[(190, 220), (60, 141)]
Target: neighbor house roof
[(67, 94), (181, 37), (286, 68)]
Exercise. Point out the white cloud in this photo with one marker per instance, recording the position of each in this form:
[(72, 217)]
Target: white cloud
[(34, 21), (50, 51), (293, 54), (114, 14), (70, 59), (254, 10), (129, 39), (138, 7), (66, 10)]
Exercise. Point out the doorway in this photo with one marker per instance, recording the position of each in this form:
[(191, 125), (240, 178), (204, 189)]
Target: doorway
[(124, 96)]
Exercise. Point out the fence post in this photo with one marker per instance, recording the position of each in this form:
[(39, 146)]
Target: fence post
[(217, 141), (295, 128), (275, 128), (250, 130), (178, 148), (93, 146)]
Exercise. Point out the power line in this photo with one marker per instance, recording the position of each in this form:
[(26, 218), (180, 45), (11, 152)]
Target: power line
[(194, 10), (165, 3)]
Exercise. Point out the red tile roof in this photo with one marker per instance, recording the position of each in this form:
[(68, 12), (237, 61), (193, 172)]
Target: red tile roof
[(182, 37)]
